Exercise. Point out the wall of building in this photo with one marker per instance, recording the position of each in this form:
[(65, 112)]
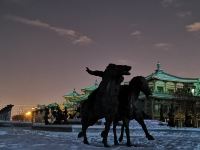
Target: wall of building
[(184, 105)]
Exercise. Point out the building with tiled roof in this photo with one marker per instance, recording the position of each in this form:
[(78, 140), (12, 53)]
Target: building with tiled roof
[(183, 94)]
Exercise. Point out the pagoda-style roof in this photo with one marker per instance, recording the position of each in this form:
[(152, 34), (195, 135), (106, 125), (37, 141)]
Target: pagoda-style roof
[(72, 94), (52, 105), (75, 101), (82, 97), (68, 105), (91, 88), (161, 75)]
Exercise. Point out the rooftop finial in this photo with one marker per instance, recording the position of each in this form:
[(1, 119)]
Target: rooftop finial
[(158, 65), (74, 91)]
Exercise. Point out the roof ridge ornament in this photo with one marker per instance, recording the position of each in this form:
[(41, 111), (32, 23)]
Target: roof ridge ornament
[(158, 67)]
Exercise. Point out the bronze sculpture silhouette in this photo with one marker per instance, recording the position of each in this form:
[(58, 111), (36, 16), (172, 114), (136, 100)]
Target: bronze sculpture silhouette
[(46, 110), (127, 110), (103, 102)]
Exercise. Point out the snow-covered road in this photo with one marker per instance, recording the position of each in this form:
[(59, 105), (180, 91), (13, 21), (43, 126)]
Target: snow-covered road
[(27, 139)]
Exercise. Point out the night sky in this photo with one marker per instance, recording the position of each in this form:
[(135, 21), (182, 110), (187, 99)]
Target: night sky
[(45, 45)]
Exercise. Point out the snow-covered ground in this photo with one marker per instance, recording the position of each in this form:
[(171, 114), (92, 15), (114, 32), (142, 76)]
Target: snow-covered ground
[(165, 138)]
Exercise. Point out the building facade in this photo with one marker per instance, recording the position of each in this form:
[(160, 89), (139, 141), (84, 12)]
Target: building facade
[(173, 96)]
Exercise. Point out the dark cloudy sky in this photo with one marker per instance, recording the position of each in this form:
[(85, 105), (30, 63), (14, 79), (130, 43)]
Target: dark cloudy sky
[(45, 45)]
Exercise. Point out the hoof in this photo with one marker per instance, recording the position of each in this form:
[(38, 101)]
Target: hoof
[(150, 137), (106, 145), (120, 139), (116, 142), (86, 142), (80, 134)]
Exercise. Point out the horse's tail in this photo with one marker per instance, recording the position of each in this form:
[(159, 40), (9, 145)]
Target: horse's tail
[(80, 134)]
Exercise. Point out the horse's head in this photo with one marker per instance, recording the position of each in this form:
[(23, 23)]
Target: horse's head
[(117, 71), (112, 78), (139, 83)]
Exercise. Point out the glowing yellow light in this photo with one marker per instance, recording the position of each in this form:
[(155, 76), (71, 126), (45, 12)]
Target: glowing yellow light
[(28, 113)]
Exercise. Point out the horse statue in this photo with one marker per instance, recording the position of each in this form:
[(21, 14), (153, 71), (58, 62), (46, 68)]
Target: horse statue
[(103, 102), (127, 110)]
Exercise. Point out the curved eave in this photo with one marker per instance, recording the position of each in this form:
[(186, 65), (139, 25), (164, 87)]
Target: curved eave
[(176, 80), (52, 105), (71, 97), (160, 75), (72, 94), (91, 88), (68, 105)]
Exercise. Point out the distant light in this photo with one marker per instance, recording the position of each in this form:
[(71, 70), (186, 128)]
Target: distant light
[(28, 113), (192, 91)]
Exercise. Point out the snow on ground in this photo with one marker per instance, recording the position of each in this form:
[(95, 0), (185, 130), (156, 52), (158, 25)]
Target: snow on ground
[(168, 138), (151, 124)]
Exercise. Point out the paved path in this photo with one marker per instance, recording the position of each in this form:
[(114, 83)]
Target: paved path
[(27, 139)]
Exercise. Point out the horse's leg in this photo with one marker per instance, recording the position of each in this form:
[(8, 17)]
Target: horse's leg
[(114, 132), (103, 132), (83, 132), (140, 120), (126, 124), (122, 133), (106, 131)]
